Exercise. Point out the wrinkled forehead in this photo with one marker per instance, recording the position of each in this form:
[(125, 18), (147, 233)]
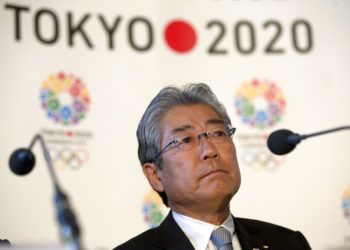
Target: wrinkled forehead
[(189, 117)]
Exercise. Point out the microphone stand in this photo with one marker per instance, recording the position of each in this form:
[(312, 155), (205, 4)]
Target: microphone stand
[(68, 226)]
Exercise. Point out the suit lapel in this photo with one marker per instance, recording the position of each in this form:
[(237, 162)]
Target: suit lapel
[(170, 236), (247, 240)]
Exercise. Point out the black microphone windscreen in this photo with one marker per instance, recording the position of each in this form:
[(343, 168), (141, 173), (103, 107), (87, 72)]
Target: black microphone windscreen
[(22, 161), (278, 143)]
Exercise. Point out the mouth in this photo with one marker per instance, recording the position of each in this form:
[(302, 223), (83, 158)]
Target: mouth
[(214, 173)]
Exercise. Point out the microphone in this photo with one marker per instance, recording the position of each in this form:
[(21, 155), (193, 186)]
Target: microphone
[(283, 141), (21, 162)]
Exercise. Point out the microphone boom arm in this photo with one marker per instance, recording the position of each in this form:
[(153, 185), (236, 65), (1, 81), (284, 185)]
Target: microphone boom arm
[(294, 138), (39, 137), (324, 132)]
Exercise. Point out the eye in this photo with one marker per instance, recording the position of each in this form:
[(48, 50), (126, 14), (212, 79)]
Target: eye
[(186, 140), (219, 133)]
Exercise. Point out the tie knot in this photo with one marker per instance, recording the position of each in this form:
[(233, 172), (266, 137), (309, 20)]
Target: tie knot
[(221, 238)]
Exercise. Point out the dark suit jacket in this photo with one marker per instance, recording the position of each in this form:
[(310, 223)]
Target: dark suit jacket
[(252, 235), (4, 243)]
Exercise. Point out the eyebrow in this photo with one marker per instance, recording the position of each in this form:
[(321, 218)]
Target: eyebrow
[(187, 127), (215, 121), (181, 129)]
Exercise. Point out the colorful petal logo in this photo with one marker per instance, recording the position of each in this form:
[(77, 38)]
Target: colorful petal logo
[(346, 203), (260, 104), (65, 98), (153, 209)]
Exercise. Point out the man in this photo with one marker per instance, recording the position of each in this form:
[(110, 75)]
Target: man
[(188, 156)]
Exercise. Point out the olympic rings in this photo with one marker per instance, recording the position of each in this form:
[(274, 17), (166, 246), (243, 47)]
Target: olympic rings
[(260, 158), (68, 157)]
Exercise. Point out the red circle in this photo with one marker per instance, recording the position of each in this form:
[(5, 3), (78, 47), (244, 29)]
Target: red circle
[(180, 36)]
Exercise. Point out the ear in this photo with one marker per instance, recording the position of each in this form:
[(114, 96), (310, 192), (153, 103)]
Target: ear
[(151, 172)]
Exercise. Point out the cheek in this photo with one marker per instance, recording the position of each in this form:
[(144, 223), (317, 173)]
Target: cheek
[(229, 153), (178, 172), (230, 157)]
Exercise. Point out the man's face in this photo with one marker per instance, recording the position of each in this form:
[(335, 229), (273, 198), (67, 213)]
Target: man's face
[(206, 174)]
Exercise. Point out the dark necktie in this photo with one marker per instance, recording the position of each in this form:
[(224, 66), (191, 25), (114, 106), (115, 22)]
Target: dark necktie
[(222, 239)]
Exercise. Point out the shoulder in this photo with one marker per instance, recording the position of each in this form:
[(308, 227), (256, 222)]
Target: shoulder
[(257, 225), (4, 243), (141, 241), (270, 233), (167, 235)]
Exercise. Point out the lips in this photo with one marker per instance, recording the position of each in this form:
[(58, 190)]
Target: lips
[(214, 172)]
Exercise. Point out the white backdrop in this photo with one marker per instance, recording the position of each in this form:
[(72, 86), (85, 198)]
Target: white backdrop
[(300, 46)]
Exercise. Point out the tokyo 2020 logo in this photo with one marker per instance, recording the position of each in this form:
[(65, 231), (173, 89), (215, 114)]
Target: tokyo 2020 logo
[(260, 104), (346, 203), (153, 209), (65, 98)]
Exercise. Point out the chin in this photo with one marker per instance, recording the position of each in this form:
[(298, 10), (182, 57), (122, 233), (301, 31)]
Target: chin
[(221, 188), (221, 191)]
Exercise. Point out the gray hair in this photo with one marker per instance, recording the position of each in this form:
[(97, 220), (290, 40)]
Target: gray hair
[(149, 133)]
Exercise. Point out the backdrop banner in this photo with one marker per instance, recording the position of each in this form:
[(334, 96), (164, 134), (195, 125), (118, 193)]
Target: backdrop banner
[(82, 73)]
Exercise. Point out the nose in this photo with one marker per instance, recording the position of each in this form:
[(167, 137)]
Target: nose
[(207, 149)]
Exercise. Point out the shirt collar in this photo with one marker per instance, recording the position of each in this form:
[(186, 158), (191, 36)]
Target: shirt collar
[(199, 232)]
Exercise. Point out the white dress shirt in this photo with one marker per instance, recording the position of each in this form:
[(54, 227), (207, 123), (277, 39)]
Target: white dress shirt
[(199, 232)]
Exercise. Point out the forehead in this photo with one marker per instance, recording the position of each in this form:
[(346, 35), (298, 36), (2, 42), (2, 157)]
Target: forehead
[(194, 115)]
